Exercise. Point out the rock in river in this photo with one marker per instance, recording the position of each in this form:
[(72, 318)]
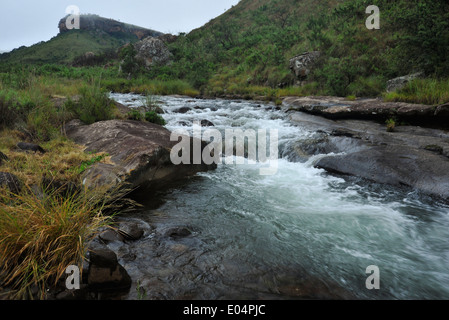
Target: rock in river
[(139, 151)]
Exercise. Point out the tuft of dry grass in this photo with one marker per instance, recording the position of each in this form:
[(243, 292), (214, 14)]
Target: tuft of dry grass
[(41, 236)]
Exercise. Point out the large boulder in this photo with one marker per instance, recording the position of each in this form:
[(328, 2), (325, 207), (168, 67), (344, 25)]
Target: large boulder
[(153, 51), (302, 64), (139, 153), (400, 82)]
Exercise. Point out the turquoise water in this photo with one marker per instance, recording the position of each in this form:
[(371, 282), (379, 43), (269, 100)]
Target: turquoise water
[(260, 236)]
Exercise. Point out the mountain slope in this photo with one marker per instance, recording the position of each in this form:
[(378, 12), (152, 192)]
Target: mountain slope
[(251, 44), (96, 35)]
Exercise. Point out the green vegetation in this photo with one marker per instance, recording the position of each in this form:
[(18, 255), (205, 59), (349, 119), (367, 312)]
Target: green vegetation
[(425, 91), (250, 46), (244, 52), (391, 124), (42, 237)]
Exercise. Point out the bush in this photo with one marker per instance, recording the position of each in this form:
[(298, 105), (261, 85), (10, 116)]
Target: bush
[(135, 115), (94, 105), (153, 117), (8, 114)]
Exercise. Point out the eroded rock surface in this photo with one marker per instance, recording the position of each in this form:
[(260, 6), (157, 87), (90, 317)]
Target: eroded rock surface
[(139, 153)]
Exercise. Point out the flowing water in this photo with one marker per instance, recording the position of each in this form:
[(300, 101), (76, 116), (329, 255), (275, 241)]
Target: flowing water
[(298, 233)]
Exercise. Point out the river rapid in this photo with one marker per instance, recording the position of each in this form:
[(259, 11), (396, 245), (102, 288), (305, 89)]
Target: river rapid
[(233, 233)]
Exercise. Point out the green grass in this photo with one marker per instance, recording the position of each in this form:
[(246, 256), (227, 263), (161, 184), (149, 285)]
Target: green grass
[(64, 48), (424, 91)]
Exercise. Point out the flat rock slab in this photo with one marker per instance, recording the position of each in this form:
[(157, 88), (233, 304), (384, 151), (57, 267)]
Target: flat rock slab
[(371, 109), (139, 151), (411, 156)]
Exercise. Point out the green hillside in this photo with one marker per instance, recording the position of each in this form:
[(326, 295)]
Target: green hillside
[(251, 44), (65, 47), (96, 34)]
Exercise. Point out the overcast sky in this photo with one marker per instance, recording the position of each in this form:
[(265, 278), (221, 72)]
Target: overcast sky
[(26, 22)]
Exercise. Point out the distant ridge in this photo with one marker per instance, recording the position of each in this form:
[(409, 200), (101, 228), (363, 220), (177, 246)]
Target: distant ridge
[(93, 22), (96, 35)]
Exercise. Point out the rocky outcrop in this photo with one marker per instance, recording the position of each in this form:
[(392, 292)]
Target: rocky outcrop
[(401, 82), (25, 146), (412, 156), (301, 65), (110, 26), (370, 109), (139, 154), (152, 51)]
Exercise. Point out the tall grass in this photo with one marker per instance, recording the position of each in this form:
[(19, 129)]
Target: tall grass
[(41, 237), (424, 91)]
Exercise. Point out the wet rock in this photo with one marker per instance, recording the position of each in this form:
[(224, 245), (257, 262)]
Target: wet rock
[(206, 123), (130, 231), (105, 273), (434, 148), (178, 232), (80, 294), (159, 110), (364, 149), (183, 110), (110, 235), (395, 165), (24, 146), (442, 111), (11, 182)]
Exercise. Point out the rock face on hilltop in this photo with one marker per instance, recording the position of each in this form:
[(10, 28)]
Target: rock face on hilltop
[(139, 151), (110, 26), (153, 51)]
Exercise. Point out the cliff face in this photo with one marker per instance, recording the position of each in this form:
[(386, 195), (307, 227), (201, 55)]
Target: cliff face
[(110, 26)]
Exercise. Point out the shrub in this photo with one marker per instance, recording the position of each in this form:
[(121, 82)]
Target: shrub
[(153, 117), (391, 124), (135, 115), (94, 105)]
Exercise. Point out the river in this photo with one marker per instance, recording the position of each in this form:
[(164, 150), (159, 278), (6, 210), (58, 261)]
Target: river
[(300, 233)]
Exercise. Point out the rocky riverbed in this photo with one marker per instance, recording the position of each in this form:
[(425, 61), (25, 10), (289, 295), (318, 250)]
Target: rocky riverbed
[(230, 234), (412, 156)]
